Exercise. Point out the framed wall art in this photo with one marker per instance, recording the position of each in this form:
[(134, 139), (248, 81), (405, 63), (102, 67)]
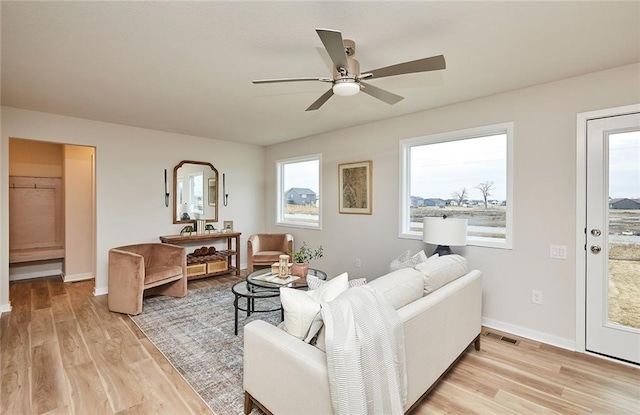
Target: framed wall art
[(355, 187), (227, 226)]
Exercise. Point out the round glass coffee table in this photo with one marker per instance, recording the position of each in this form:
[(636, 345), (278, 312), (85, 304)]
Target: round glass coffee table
[(242, 289), (264, 279), (259, 285)]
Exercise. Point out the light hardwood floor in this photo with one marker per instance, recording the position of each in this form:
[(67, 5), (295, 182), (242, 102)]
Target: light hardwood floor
[(63, 352)]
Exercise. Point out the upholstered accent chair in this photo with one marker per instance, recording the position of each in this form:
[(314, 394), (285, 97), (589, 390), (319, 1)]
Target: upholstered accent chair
[(144, 269), (266, 248)]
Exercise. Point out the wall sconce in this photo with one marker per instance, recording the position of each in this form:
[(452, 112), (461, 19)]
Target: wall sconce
[(444, 232), (225, 195), (166, 189)]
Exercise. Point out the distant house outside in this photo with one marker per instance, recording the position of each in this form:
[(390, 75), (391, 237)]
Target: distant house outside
[(624, 203), (300, 196), (417, 201), (435, 202)]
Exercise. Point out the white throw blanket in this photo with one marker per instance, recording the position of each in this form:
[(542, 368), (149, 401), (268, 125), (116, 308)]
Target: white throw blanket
[(365, 354)]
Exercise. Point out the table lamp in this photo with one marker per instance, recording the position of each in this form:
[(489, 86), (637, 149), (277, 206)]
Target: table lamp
[(443, 231)]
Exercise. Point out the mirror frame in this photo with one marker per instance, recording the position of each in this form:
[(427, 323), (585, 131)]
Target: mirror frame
[(206, 186)]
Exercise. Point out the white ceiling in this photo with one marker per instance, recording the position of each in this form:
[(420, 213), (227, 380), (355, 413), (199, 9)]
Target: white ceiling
[(186, 67)]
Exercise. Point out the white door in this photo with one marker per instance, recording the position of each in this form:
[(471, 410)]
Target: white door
[(613, 237)]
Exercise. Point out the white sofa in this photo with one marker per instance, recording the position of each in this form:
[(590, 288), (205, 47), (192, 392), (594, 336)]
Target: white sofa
[(285, 375)]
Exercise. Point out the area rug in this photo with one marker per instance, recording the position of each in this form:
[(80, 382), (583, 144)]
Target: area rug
[(195, 333)]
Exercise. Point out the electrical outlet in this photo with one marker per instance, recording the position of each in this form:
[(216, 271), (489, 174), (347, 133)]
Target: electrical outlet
[(536, 297), (358, 263)]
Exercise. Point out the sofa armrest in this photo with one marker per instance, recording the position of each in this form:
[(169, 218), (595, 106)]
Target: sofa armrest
[(283, 373)]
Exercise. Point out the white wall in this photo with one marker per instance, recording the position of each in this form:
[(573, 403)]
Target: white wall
[(544, 197), (79, 213), (128, 214)]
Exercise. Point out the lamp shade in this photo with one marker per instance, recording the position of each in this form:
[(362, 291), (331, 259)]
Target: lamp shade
[(445, 231)]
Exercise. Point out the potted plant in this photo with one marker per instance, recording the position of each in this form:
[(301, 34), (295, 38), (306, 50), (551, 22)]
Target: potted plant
[(301, 258)]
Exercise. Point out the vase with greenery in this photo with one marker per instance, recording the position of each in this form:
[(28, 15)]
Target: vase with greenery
[(301, 258)]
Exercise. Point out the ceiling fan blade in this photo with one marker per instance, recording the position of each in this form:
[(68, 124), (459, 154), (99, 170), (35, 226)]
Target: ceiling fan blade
[(381, 94), (332, 41), (433, 63), (271, 81), (320, 101)]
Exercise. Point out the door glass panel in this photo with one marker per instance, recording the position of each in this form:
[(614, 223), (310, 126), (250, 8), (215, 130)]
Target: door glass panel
[(624, 229)]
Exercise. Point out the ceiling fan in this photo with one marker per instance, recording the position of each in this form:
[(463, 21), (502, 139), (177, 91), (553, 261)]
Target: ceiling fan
[(347, 79)]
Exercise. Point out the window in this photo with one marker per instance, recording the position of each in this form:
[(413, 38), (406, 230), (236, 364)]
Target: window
[(463, 174), (298, 190)]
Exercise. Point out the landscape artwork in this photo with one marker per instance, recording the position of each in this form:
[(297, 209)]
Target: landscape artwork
[(355, 187)]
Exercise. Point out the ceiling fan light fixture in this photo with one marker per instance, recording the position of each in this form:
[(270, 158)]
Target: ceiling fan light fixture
[(346, 88)]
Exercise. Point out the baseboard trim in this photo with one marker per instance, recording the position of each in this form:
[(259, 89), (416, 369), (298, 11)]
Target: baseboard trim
[(5, 308), (78, 277), (530, 334), (34, 274), (100, 291)]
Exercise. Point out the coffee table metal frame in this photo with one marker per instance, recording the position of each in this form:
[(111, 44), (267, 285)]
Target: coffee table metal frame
[(243, 289)]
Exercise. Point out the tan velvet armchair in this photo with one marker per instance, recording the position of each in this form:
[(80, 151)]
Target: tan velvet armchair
[(266, 248), (139, 270)]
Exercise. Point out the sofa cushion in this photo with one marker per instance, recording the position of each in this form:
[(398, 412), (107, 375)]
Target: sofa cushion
[(441, 271), (155, 274), (302, 308), (400, 287)]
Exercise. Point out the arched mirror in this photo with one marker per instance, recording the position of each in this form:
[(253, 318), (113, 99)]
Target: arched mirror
[(195, 192)]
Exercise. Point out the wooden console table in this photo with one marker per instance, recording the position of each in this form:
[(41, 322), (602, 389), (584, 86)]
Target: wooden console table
[(208, 266)]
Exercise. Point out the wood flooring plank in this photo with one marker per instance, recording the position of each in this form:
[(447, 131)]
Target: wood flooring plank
[(160, 396), (514, 385), (16, 348), (48, 391), (42, 327), (20, 298), (519, 373), (520, 405), (56, 286), (602, 406), (520, 354), (121, 384), (61, 308), (74, 351), (601, 386), (15, 392), (40, 297), (479, 402), (86, 390)]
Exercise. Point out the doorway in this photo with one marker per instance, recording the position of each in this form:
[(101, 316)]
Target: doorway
[(612, 235), (51, 210)]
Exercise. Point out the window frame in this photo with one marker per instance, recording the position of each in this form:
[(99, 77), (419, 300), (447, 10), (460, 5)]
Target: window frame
[(470, 133), (280, 202)]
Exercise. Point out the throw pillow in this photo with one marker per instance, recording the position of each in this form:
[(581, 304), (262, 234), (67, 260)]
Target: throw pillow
[(400, 287), (441, 271), (405, 260), (302, 308), (299, 311), (314, 282)]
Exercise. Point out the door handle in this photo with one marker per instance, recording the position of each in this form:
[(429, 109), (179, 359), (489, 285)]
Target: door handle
[(596, 249), (596, 232)]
